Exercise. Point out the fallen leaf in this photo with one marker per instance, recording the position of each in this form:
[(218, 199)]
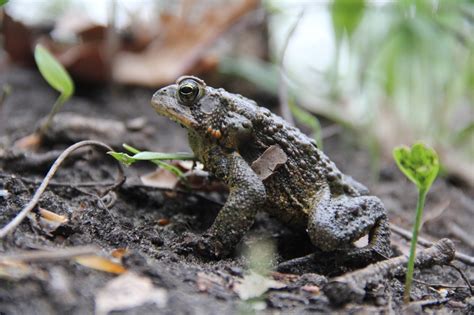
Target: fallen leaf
[(284, 277), (254, 285), (205, 281), (160, 178), (119, 252), (127, 292), (14, 270), (100, 263), (18, 40), (51, 216), (313, 289), (163, 222), (269, 161), (29, 142), (181, 45), (47, 221)]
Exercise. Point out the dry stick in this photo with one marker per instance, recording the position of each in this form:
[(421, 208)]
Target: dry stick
[(351, 286), (49, 255), (282, 88), (31, 205), (468, 260)]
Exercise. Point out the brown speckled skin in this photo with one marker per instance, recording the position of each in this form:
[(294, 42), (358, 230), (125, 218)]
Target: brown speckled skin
[(227, 132)]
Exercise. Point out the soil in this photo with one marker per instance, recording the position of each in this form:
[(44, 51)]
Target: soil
[(136, 219)]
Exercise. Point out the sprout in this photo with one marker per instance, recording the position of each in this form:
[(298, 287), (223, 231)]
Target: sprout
[(57, 77), (421, 165), (154, 157)]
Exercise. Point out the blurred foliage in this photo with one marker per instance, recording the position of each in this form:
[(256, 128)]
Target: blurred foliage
[(53, 72), (2, 2), (401, 71), (346, 16), (57, 77)]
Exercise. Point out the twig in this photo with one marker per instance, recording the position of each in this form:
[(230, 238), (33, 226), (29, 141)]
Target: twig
[(351, 286), (282, 88), (51, 254), (468, 260), (427, 303), (441, 285), (463, 276), (31, 205)]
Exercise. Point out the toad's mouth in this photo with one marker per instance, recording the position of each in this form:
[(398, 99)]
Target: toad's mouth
[(165, 104)]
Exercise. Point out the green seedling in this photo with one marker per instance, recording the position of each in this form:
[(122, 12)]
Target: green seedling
[(57, 77), (421, 165), (154, 157), (2, 2)]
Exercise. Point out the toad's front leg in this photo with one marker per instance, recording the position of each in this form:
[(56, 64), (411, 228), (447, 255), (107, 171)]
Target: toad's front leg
[(246, 195)]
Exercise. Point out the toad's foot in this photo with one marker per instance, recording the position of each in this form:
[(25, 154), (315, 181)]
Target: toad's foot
[(200, 245)]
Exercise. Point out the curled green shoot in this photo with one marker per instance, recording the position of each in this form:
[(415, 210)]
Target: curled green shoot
[(421, 165), (154, 157)]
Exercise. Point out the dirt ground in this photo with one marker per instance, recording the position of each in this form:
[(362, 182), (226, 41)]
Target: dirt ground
[(137, 216)]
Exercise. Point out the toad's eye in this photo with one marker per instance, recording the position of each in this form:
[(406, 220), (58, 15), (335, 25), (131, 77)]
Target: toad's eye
[(189, 90)]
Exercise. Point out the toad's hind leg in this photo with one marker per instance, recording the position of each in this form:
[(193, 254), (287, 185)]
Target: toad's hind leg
[(338, 222)]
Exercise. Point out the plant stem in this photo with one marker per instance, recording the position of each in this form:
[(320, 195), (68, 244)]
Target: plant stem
[(56, 108), (411, 261)]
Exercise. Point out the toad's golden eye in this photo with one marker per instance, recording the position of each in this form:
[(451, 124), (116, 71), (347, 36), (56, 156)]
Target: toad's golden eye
[(189, 90)]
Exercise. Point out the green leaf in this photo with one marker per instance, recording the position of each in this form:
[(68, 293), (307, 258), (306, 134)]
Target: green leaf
[(420, 164), (53, 72), (346, 16), (122, 157), (147, 156), (3, 2)]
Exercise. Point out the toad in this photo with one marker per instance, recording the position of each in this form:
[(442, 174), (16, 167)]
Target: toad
[(272, 166)]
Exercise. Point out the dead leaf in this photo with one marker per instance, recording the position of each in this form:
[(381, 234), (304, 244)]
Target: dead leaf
[(313, 289), (160, 178), (47, 221), (163, 222), (29, 142), (100, 263), (126, 292), (180, 46), (205, 281), (254, 285), (14, 270), (119, 252), (53, 217), (18, 40), (269, 161), (284, 277)]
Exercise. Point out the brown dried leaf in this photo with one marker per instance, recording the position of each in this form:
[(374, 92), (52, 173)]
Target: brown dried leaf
[(205, 281), (180, 47), (254, 285), (160, 178), (313, 289), (17, 40), (100, 263), (53, 217), (128, 291), (269, 161), (30, 142), (119, 252), (14, 270)]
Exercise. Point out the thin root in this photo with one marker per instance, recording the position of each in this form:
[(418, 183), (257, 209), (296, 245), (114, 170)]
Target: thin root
[(34, 201)]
